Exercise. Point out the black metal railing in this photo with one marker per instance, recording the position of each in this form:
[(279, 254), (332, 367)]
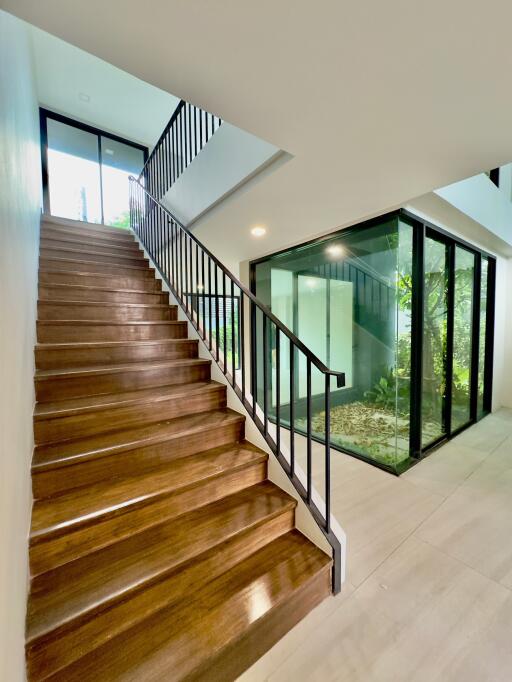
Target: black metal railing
[(242, 335), (187, 132)]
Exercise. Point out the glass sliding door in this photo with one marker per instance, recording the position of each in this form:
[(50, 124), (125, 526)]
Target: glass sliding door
[(85, 171), (435, 324), (464, 272)]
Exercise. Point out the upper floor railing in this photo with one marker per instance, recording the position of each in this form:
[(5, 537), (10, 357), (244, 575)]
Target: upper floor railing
[(271, 371), (187, 132)]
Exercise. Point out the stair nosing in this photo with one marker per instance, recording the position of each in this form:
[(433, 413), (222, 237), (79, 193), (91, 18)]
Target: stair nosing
[(90, 287), (107, 304), (86, 345), (72, 460), (81, 261), (82, 323), (90, 409), (80, 372)]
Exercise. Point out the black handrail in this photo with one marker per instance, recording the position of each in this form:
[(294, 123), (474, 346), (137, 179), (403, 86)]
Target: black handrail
[(186, 133), (192, 272)]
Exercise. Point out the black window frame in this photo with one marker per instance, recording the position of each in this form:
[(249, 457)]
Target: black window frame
[(44, 115)]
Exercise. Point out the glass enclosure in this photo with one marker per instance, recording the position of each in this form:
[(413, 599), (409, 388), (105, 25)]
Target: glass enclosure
[(85, 171), (350, 299)]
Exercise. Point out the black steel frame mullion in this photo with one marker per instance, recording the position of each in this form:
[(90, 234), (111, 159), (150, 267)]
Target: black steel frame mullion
[(417, 305), (450, 264), (475, 338), (489, 334)]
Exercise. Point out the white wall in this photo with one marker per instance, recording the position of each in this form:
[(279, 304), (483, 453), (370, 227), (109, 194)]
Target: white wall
[(226, 161), (19, 236)]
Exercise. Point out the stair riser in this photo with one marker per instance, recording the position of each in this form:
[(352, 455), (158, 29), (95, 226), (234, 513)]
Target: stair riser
[(54, 552), (131, 462), (90, 424), (69, 333), (91, 265), (131, 250), (75, 387), (62, 647), (114, 355), (118, 313), (70, 293), (99, 280), (88, 253), (81, 232)]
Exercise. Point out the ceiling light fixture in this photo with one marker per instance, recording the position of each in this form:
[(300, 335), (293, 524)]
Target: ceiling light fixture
[(258, 231), (335, 250)]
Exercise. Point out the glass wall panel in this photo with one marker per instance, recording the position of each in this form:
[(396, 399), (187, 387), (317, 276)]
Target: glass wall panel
[(118, 162), (73, 173), (462, 336), (435, 320), (348, 299), (482, 335)]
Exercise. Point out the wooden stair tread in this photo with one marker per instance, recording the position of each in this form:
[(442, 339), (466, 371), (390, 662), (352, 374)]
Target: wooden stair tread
[(107, 323), (107, 304), (69, 452), (115, 495), (92, 288), (65, 372), (102, 577), (73, 406), (70, 345), (179, 642)]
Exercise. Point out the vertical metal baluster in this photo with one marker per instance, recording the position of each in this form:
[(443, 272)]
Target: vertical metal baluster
[(200, 129), (278, 392), (195, 131), (191, 269), (233, 354), (241, 353), (210, 300), (254, 359), (224, 320), (203, 284), (309, 443), (180, 261), (292, 408), (327, 452), (198, 317), (265, 376), (217, 321)]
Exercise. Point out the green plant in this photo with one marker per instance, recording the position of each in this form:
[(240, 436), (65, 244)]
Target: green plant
[(383, 394)]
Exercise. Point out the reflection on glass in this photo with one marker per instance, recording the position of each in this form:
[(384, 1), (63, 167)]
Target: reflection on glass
[(73, 173), (118, 162), (482, 335), (435, 316), (462, 335), (348, 299)]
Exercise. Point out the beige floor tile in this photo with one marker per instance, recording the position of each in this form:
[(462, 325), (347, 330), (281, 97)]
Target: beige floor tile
[(445, 470), (419, 618)]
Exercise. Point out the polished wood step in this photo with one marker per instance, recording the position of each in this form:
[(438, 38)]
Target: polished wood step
[(85, 264), (58, 467), (53, 384), (79, 228), (84, 520), (130, 248), (71, 331), (107, 281), (99, 310), (223, 627), (77, 292), (80, 417), (123, 584), (89, 253), (59, 355)]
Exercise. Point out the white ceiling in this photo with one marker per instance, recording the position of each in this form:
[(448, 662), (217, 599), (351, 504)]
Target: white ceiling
[(378, 102), (118, 102)]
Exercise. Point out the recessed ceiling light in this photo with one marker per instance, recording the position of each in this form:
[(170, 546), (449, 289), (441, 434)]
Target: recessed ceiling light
[(335, 250), (258, 231), (84, 97), (110, 152)]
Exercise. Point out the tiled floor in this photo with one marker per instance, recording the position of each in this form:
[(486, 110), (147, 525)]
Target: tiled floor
[(428, 596)]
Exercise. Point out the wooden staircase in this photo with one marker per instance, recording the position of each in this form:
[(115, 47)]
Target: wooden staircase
[(158, 549)]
